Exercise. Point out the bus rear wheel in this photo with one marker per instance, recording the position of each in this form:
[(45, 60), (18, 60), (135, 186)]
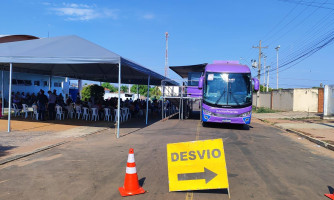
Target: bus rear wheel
[(204, 124)]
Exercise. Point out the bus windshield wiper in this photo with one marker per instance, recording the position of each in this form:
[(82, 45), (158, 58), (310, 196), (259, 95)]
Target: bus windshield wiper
[(223, 94)]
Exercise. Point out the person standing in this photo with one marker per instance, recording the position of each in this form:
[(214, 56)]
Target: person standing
[(42, 101), (51, 105)]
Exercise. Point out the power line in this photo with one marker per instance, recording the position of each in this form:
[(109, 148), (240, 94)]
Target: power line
[(307, 54), (310, 32), (294, 27)]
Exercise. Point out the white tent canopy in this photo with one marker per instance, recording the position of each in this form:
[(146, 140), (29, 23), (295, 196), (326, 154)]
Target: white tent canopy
[(74, 57)]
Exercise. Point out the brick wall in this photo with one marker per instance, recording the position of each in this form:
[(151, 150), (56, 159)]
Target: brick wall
[(320, 100)]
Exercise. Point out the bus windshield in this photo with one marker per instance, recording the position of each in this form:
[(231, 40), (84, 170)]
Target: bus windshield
[(227, 89)]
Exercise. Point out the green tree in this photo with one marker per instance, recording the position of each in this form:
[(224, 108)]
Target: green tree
[(142, 89), (263, 88), (109, 86), (155, 92), (89, 91), (124, 88)]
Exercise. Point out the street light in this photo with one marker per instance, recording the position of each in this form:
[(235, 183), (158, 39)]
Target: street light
[(277, 48)]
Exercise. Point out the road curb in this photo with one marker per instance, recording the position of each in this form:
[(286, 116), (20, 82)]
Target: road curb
[(170, 116), (17, 157), (311, 139)]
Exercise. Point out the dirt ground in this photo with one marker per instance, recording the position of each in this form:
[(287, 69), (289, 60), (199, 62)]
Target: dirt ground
[(21, 124)]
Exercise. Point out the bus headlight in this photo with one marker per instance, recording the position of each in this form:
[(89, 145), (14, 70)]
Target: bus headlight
[(207, 112), (245, 114)]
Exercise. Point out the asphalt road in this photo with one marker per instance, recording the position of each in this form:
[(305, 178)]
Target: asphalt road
[(263, 163)]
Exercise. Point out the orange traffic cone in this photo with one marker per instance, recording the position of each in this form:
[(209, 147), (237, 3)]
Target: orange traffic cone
[(131, 184)]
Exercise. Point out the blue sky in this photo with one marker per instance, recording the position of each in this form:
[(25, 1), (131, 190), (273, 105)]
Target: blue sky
[(200, 31)]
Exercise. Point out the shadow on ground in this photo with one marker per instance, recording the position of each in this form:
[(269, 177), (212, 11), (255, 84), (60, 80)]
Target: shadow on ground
[(4, 149), (195, 115)]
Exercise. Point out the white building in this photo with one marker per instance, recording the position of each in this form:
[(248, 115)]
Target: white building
[(32, 83)]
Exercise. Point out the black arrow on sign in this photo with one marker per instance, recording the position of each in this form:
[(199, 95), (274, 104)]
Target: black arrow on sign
[(208, 175)]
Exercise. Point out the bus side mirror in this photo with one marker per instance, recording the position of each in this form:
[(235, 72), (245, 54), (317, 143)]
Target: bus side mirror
[(200, 82), (256, 84)]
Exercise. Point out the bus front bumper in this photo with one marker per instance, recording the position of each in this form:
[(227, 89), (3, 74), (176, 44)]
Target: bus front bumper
[(232, 120)]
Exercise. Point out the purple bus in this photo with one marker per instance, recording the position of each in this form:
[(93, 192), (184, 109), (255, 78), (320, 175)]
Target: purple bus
[(227, 93)]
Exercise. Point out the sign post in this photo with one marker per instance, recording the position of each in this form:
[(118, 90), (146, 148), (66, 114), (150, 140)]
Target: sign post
[(197, 165)]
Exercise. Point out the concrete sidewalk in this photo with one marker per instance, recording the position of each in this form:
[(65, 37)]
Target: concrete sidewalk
[(30, 137), (307, 125)]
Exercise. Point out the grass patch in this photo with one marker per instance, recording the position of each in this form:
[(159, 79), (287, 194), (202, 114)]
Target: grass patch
[(302, 118), (264, 110)]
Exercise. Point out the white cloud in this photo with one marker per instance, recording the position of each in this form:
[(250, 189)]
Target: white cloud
[(148, 16), (83, 12)]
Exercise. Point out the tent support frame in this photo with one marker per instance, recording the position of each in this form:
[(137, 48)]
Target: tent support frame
[(148, 96), (10, 94), (2, 93), (119, 97)]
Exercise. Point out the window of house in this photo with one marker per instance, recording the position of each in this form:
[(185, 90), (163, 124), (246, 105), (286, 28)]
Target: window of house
[(20, 82), (57, 84), (14, 81), (27, 82), (36, 83), (45, 83)]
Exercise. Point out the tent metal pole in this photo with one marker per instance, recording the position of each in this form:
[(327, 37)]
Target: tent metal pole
[(182, 103), (10, 94), (163, 99), (148, 96), (137, 91), (119, 97), (2, 93), (50, 78)]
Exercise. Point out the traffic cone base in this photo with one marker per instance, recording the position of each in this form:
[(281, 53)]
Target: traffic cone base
[(125, 193), (331, 196)]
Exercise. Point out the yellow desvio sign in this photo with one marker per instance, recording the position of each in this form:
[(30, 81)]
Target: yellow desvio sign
[(197, 165)]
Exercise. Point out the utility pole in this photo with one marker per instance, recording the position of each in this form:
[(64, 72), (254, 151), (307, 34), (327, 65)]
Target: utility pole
[(166, 58), (277, 48), (264, 73), (268, 67), (259, 71)]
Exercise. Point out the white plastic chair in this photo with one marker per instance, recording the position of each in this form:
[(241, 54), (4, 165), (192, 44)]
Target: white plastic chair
[(116, 114), (25, 110), (35, 112), (127, 114), (59, 113), (85, 114), (78, 111), (70, 111), (17, 111), (95, 114), (107, 114), (123, 114)]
